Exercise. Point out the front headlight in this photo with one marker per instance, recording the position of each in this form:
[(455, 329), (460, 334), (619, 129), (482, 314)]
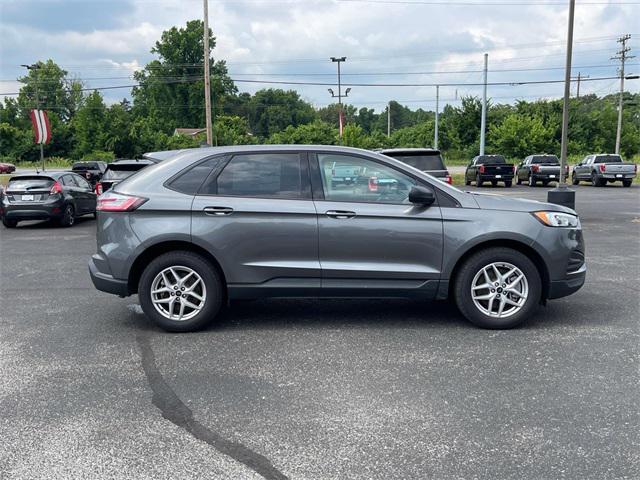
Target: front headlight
[(558, 219)]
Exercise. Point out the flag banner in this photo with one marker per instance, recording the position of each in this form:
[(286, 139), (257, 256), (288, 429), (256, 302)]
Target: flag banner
[(41, 126)]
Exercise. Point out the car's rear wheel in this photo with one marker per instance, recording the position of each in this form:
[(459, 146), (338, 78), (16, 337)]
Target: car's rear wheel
[(518, 181), (574, 179), (9, 223), (627, 183), (181, 291), (508, 183), (497, 288), (479, 181), (68, 216), (532, 181)]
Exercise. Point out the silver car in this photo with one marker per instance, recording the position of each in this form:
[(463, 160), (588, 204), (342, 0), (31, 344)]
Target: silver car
[(213, 224)]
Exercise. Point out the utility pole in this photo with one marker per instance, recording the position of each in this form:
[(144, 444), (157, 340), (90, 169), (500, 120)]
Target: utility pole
[(562, 195), (621, 55), (36, 67), (483, 120), (580, 77), (207, 76), (435, 131), (389, 119), (339, 96)]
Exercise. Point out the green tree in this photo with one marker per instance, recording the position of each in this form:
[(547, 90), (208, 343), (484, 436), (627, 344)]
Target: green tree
[(171, 89), (316, 133), (520, 135), (89, 125), (273, 110)]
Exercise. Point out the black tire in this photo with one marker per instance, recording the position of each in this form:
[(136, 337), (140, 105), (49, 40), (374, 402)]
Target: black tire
[(532, 181), (479, 260), (508, 183), (9, 223), (627, 183), (479, 181), (518, 181), (208, 273), (467, 182), (95, 215), (68, 216), (545, 183), (574, 180), (494, 183)]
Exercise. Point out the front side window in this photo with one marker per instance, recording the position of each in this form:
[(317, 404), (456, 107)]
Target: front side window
[(263, 175), (346, 178)]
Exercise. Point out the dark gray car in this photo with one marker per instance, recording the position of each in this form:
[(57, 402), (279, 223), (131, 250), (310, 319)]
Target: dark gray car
[(221, 223), (57, 196)]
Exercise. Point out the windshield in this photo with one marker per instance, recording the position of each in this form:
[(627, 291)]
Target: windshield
[(421, 161), (608, 159), (546, 159)]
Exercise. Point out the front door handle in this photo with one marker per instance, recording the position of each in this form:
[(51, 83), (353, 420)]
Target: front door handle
[(218, 211), (341, 214)]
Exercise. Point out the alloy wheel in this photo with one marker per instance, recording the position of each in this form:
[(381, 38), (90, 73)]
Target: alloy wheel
[(178, 293), (499, 290)]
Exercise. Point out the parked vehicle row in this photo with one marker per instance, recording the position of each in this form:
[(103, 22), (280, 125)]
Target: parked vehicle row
[(61, 197), (220, 223)]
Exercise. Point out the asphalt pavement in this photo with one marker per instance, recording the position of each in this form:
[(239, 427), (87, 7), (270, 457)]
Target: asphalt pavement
[(320, 389)]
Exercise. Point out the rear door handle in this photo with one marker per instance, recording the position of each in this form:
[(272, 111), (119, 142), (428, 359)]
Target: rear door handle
[(218, 211), (341, 214)]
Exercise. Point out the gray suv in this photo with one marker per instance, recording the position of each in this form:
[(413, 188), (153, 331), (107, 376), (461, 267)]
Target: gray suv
[(214, 224)]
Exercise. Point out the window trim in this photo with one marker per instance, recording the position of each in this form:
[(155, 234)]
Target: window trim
[(314, 161), (304, 175)]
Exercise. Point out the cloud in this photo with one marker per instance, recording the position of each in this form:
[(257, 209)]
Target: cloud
[(293, 41)]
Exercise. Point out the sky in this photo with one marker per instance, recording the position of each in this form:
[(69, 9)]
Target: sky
[(102, 42)]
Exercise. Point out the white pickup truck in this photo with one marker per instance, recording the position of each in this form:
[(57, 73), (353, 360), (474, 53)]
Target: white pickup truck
[(604, 168)]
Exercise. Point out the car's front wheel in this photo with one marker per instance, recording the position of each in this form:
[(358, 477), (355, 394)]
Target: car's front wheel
[(497, 288), (181, 291)]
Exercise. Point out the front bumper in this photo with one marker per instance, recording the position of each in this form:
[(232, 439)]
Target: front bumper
[(568, 286), (106, 283)]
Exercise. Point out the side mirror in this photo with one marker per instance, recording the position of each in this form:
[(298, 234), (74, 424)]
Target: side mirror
[(421, 195)]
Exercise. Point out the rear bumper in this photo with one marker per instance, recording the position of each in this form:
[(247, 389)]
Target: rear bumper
[(502, 178), (568, 286), (546, 176), (106, 283), (614, 176), (32, 212)]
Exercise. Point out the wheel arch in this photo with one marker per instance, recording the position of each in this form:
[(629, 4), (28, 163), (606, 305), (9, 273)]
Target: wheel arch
[(154, 251), (517, 245)]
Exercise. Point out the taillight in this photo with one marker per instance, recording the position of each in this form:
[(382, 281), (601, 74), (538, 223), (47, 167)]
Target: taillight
[(535, 168), (98, 188), (448, 179), (373, 184), (481, 169), (515, 169), (603, 167), (55, 188), (117, 202)]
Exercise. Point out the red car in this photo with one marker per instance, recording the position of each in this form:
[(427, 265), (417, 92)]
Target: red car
[(7, 168)]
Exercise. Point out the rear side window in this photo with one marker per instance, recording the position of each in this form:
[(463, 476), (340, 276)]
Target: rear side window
[(189, 182), (263, 175), (491, 159), (545, 159)]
